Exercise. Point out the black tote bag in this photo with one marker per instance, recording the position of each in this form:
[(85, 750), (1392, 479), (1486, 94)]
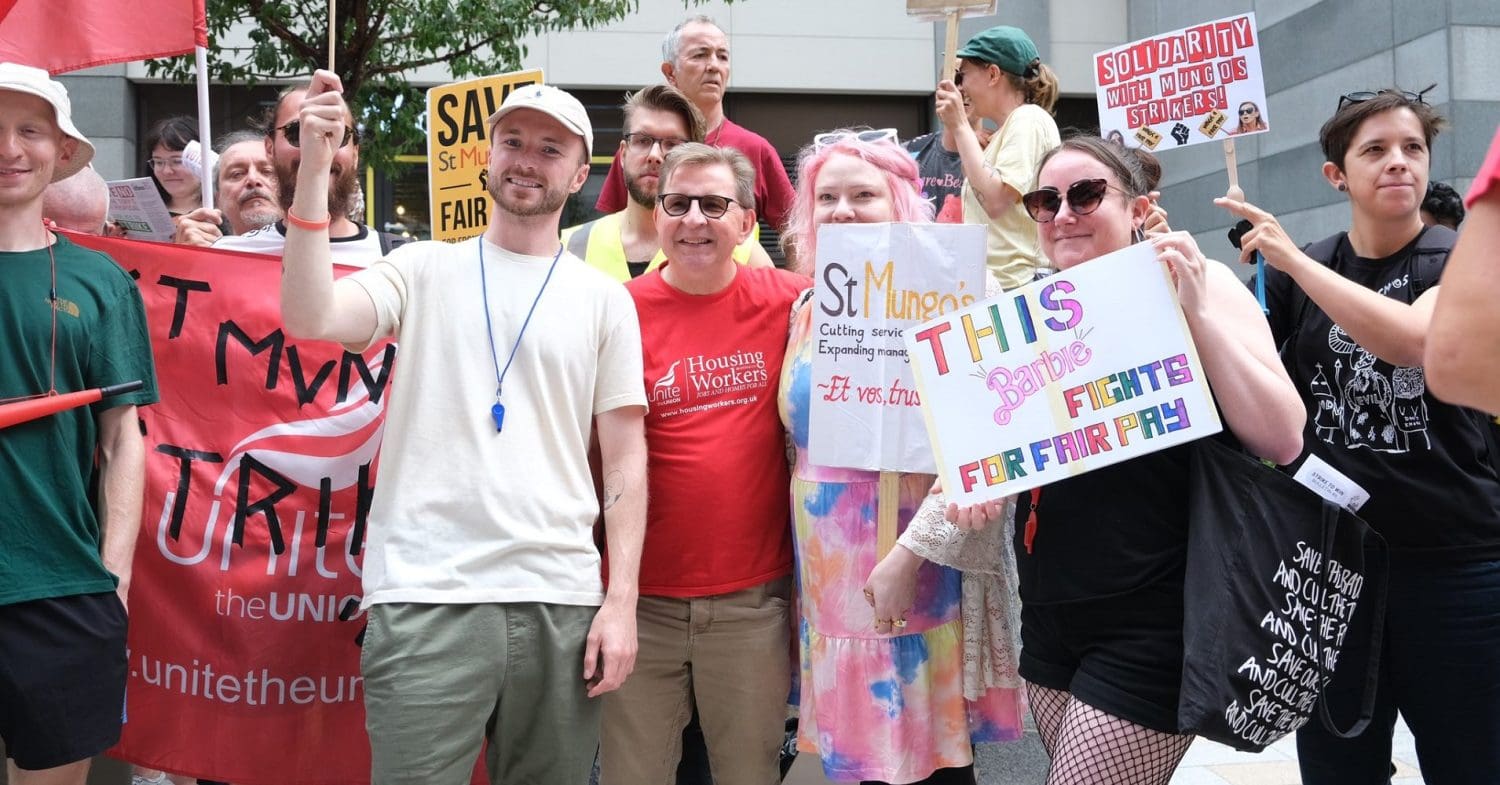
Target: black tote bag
[(1278, 580)]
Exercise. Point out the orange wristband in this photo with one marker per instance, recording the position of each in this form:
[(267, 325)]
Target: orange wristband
[(303, 223)]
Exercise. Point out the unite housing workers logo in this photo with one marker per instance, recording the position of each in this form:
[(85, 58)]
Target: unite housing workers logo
[(709, 376)]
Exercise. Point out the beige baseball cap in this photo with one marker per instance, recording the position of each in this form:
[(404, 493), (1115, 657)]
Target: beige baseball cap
[(35, 81), (554, 102)]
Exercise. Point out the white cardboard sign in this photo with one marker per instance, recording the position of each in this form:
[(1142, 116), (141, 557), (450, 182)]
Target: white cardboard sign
[(872, 283), (1184, 87), (1080, 370)]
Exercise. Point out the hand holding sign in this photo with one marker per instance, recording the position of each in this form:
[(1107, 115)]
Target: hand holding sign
[(1266, 236)]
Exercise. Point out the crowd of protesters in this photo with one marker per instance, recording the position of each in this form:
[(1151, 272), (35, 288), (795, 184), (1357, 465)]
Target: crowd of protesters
[(741, 583)]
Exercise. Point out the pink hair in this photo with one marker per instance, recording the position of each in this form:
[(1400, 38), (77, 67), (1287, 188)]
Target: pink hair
[(800, 235)]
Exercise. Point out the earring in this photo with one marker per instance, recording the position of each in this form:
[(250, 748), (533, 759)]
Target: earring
[(1343, 187)]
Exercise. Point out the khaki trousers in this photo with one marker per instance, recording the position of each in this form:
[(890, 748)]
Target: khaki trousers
[(439, 679), (726, 654)]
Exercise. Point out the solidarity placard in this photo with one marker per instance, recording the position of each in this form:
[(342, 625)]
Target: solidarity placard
[(1188, 86), (873, 281), (1077, 371)]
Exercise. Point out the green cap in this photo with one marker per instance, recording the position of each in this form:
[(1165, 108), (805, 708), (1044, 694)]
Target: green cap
[(1005, 46)]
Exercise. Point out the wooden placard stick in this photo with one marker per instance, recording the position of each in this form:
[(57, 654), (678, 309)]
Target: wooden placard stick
[(949, 11), (1235, 192), (332, 30)]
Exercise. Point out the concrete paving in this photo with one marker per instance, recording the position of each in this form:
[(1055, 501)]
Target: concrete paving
[(1206, 763)]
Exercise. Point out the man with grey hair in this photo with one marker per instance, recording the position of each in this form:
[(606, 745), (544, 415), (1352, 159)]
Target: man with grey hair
[(713, 615), (79, 202), (695, 60), (244, 189)]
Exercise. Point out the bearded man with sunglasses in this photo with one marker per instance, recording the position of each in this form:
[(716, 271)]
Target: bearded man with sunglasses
[(351, 242), (715, 582)]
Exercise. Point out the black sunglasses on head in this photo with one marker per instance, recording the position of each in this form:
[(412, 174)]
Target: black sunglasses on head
[(1361, 96), (293, 133), (1083, 197), (711, 205)]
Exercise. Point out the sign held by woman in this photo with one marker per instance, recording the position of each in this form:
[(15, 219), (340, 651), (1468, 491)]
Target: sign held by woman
[(872, 283), (1076, 371)]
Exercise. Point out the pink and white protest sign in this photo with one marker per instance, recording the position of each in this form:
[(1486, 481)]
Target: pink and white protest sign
[(1080, 370), (1184, 87)]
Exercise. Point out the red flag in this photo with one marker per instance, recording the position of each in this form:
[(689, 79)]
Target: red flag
[(66, 35)]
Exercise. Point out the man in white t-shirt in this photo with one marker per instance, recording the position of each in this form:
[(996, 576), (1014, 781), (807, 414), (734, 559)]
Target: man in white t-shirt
[(481, 577)]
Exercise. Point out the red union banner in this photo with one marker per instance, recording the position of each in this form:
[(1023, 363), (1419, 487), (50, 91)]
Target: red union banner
[(261, 457)]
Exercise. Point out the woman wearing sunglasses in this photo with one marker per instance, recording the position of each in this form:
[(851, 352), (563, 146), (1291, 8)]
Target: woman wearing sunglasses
[(1354, 312), (1101, 556), (886, 693), (1005, 82), (1250, 120)]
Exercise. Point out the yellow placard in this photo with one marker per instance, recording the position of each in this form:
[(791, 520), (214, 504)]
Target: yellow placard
[(1148, 137), (1215, 121), (458, 151)]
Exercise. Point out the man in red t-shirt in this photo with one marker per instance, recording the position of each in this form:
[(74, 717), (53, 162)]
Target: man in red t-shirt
[(695, 60), (713, 617)]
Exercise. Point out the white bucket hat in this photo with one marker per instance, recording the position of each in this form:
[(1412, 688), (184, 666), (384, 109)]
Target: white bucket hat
[(35, 81)]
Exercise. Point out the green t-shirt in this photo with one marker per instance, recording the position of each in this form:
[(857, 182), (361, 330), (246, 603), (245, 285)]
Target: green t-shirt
[(49, 532)]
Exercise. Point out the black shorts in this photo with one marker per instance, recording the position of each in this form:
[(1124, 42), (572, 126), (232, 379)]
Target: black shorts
[(1121, 655), (62, 678)]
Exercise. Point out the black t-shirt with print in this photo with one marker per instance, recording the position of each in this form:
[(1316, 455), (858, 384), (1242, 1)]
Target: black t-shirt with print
[(942, 176), (1434, 493)]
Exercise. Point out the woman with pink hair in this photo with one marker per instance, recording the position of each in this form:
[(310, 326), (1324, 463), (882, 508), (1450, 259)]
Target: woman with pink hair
[(906, 661)]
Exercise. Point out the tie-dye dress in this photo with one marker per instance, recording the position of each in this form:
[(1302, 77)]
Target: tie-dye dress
[(874, 707)]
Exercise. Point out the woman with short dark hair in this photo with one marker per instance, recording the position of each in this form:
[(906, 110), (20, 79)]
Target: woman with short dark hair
[(1352, 314)]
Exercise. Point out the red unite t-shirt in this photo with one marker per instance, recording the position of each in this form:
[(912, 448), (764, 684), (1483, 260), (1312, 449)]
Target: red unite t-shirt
[(718, 514)]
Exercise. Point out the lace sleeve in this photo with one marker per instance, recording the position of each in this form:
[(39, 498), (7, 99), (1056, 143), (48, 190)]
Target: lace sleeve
[(932, 537)]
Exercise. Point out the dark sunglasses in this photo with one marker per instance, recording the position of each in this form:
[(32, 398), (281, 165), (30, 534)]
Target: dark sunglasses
[(293, 133), (711, 205), (1361, 96), (1251, 110), (1083, 197)]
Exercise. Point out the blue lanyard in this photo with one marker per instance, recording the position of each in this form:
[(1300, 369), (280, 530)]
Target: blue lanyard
[(498, 410)]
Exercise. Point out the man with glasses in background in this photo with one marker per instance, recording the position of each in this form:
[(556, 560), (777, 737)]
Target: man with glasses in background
[(624, 244), (715, 582), (695, 60)]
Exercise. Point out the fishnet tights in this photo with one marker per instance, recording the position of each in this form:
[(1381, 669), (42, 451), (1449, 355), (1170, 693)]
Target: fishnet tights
[(1090, 747)]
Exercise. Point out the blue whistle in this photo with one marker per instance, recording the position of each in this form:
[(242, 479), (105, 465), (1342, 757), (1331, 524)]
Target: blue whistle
[(498, 412)]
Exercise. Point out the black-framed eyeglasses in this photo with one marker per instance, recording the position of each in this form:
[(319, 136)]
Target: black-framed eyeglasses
[(711, 205), (293, 133), (1083, 197), (1361, 96), (642, 143)]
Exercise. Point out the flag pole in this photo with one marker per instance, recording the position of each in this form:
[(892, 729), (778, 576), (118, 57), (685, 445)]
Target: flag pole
[(204, 143), (332, 31)]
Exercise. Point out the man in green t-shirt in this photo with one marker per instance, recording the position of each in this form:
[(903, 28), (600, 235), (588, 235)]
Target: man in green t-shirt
[(72, 320)]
